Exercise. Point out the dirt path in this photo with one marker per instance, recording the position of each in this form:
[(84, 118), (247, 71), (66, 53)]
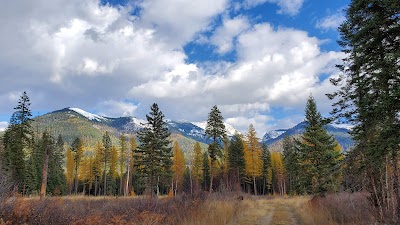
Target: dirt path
[(267, 212)]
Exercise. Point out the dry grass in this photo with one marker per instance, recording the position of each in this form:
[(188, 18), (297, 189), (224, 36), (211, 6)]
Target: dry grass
[(138, 210)]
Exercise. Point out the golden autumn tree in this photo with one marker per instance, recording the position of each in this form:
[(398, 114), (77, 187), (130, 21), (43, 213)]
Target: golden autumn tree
[(252, 155), (98, 167), (278, 173), (70, 169), (129, 185), (178, 166), (197, 162)]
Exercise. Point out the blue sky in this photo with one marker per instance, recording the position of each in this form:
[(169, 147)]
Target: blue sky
[(258, 60)]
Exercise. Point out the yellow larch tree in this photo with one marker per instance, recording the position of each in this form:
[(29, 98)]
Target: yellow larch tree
[(278, 171), (70, 169), (252, 155), (197, 162), (178, 166)]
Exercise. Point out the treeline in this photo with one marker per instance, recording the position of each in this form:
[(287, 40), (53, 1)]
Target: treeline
[(155, 166)]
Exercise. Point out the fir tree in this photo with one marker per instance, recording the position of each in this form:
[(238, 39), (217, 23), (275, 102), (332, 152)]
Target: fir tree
[(18, 140), (236, 158), (107, 145), (206, 171), (317, 152), (266, 168), (56, 177), (77, 149), (215, 129), (291, 161), (154, 152), (369, 93)]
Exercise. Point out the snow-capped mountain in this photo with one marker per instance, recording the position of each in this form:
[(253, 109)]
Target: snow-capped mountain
[(195, 131), (339, 131), (88, 115), (230, 130)]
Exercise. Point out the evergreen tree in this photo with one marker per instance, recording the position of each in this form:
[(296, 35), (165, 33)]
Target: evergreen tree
[(266, 168), (291, 161), (132, 144), (215, 129), (70, 167), (77, 149), (123, 158), (369, 93), (18, 140), (317, 152), (47, 148), (56, 177), (98, 167), (236, 158), (206, 171), (154, 152), (107, 145)]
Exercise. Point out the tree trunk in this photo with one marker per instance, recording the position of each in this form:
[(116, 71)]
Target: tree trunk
[(254, 185), (127, 182), (396, 184), (212, 175), (76, 181), (105, 180), (44, 175), (95, 186)]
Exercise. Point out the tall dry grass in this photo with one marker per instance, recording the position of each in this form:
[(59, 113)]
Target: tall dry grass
[(342, 208), (138, 210)]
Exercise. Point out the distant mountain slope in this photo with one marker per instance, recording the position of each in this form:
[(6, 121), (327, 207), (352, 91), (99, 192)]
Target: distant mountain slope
[(274, 138), (74, 122)]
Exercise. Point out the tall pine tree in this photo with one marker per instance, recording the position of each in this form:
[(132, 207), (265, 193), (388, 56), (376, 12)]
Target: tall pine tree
[(236, 158), (215, 129), (317, 152), (154, 154)]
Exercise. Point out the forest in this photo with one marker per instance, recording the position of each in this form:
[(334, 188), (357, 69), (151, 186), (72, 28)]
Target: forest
[(145, 178)]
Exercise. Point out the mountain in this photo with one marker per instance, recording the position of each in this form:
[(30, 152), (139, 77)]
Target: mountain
[(340, 131), (74, 122)]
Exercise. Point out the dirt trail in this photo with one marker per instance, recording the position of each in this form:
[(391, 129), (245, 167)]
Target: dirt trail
[(267, 212)]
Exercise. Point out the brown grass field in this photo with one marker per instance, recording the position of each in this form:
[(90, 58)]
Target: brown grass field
[(349, 209)]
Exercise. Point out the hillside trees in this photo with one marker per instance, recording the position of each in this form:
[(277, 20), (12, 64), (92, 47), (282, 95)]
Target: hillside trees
[(153, 153), (215, 129), (369, 93)]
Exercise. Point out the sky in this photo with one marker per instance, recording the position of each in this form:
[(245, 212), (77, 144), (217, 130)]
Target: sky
[(257, 60)]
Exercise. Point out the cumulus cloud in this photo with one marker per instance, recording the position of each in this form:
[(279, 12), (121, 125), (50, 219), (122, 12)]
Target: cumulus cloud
[(3, 125), (112, 108), (331, 22), (290, 7), (224, 35)]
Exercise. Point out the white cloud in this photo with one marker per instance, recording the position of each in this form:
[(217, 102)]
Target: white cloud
[(331, 22), (3, 125), (177, 21), (224, 35), (112, 108), (290, 7)]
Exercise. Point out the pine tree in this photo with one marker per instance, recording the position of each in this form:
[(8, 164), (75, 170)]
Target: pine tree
[(113, 171), (154, 153), (236, 158), (253, 156), (206, 171), (266, 162), (292, 163), (278, 173), (107, 145), (317, 153), (18, 140), (98, 167), (369, 93), (48, 148), (77, 149), (56, 177), (215, 129)]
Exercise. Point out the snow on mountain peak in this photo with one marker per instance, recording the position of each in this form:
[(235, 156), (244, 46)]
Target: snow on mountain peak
[(343, 126), (230, 130), (88, 115)]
